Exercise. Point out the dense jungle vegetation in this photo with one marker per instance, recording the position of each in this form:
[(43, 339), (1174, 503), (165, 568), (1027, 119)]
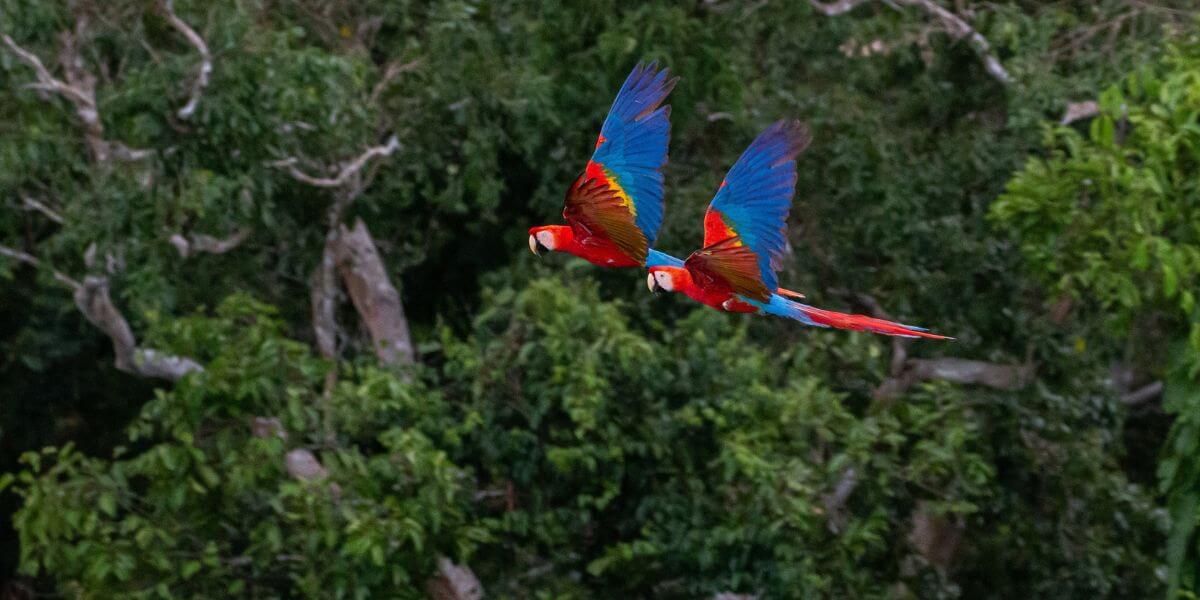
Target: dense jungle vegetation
[(269, 326)]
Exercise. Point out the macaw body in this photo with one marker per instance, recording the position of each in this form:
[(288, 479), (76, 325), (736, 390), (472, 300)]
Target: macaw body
[(716, 294), (745, 239), (595, 249), (614, 208)]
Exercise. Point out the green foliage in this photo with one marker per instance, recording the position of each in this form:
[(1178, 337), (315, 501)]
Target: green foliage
[(197, 505), (605, 460), (1111, 218), (573, 439), (1110, 215), (690, 462)]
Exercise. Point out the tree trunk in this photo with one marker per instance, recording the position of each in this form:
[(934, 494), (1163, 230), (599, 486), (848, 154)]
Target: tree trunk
[(374, 296)]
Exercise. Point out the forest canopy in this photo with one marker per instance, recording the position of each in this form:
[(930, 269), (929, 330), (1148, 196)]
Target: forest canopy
[(270, 327)]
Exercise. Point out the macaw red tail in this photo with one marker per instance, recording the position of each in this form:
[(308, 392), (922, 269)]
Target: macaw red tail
[(811, 315), (788, 293), (839, 320)]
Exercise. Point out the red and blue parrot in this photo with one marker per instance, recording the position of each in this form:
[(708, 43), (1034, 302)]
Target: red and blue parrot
[(745, 240), (614, 209)]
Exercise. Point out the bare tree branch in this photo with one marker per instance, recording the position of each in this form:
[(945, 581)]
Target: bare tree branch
[(93, 300), (905, 372), (205, 69), (454, 582), (33, 261), (324, 290), (46, 81), (934, 536), (32, 204), (267, 427), (323, 297), (971, 372), (354, 254), (80, 89), (959, 29), (349, 170), (1143, 394), (956, 370), (393, 70), (374, 296), (1078, 111), (952, 23), (197, 243), (833, 9), (303, 465), (835, 501)]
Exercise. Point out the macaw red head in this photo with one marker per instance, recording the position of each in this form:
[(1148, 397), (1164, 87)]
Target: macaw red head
[(670, 279), (548, 237)]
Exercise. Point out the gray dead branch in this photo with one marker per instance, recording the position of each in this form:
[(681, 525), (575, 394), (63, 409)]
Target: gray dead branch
[(953, 24), (203, 72), (453, 582)]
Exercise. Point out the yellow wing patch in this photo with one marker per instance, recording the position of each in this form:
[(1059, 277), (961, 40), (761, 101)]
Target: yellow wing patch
[(626, 201), (596, 170)]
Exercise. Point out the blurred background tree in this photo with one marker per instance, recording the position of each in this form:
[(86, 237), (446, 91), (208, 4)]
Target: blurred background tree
[(270, 330)]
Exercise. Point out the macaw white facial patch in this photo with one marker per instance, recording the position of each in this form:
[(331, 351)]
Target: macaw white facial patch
[(664, 281), (546, 238)]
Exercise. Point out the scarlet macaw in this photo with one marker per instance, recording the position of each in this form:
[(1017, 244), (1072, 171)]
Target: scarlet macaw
[(615, 207), (745, 239)]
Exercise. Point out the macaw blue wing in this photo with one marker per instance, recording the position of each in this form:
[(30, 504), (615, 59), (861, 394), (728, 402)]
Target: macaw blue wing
[(632, 148), (753, 201)]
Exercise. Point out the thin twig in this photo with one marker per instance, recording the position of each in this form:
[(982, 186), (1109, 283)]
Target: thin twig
[(92, 298), (959, 29), (1143, 394), (199, 242), (33, 261), (833, 9), (347, 171), (80, 90), (46, 81), (392, 71), (956, 370), (205, 69), (32, 204), (953, 24)]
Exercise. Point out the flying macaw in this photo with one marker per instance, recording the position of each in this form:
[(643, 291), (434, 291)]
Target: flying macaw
[(745, 239), (614, 209)]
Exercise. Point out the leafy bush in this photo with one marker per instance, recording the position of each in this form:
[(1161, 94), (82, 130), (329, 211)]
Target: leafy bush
[(1111, 219), (199, 503), (571, 439), (686, 461), (568, 453)]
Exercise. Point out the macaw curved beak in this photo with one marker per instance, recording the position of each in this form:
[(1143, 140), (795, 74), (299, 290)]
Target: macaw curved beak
[(652, 284), (535, 246)]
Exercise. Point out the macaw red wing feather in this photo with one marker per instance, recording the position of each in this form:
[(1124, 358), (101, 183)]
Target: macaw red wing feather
[(731, 264), (594, 209)]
